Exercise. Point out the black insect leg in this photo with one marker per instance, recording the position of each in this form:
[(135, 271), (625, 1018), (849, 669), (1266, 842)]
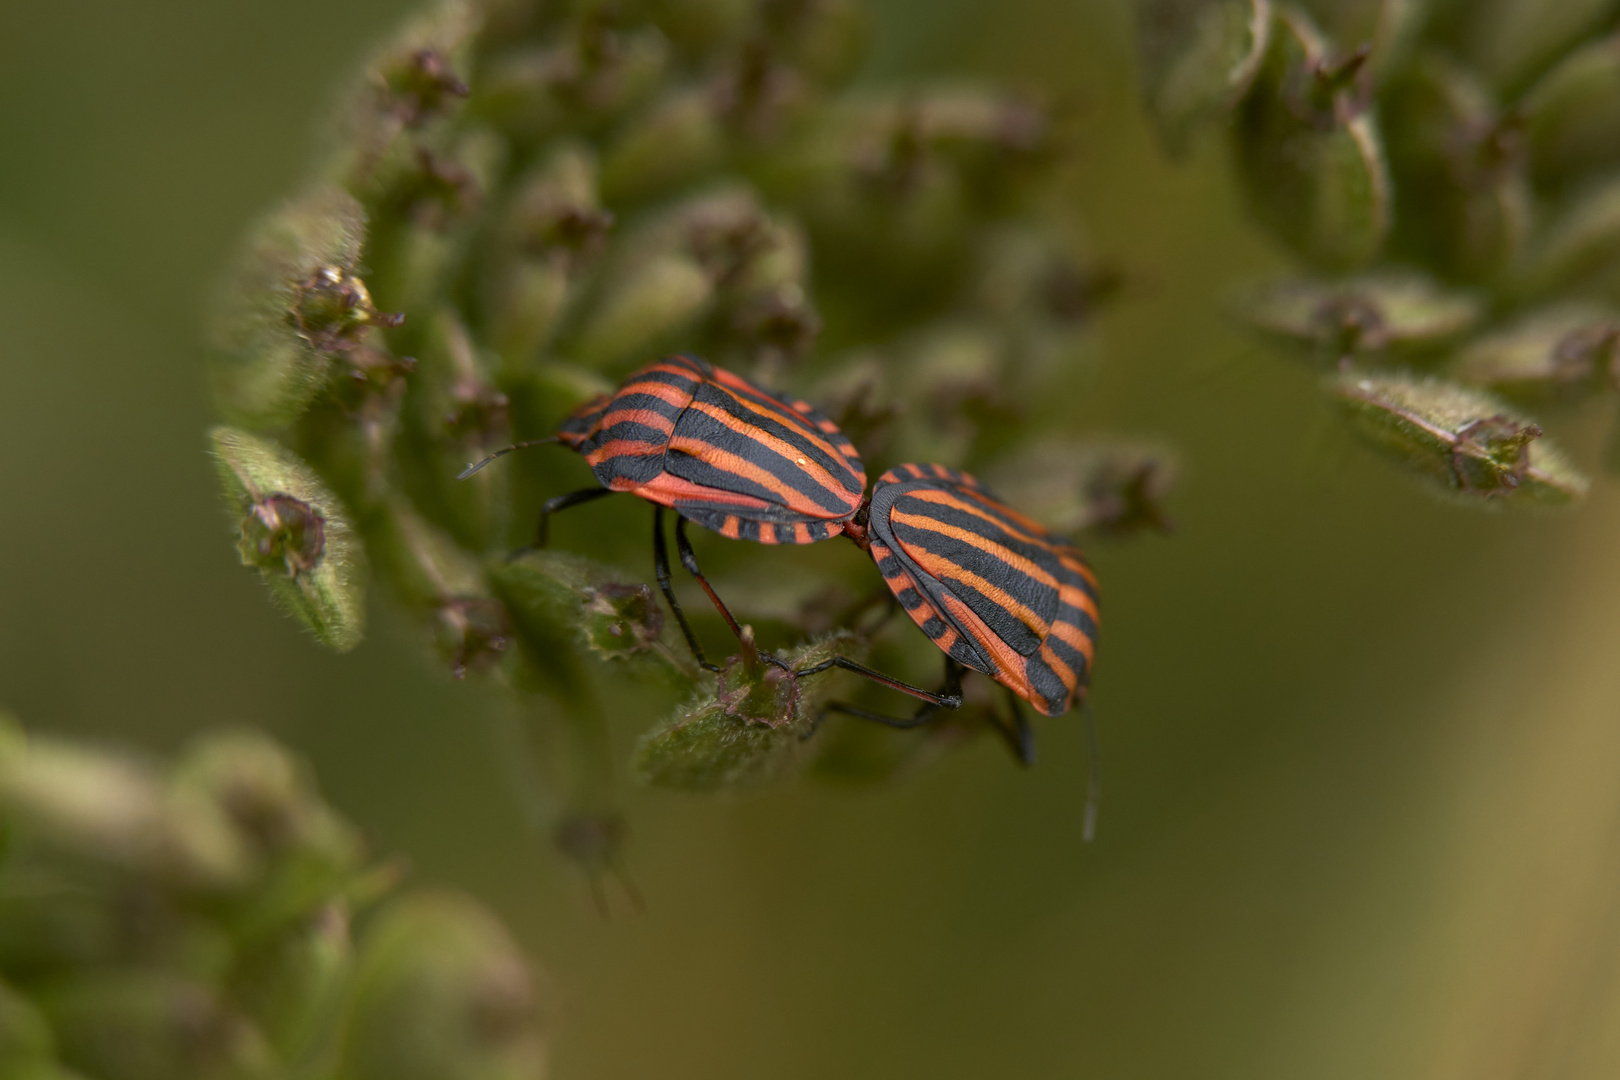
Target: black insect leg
[(689, 561), (542, 532), (951, 699), (932, 703), (661, 569)]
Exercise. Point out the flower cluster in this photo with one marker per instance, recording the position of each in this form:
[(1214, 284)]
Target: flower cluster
[(518, 204), (1451, 174), (216, 919)]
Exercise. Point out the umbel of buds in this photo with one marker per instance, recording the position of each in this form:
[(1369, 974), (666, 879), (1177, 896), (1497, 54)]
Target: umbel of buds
[(1449, 176), (214, 917), (519, 203)]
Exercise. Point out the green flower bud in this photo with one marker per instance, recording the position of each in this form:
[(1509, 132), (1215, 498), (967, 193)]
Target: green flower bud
[(1563, 351), (824, 40), (1464, 163), (423, 216), (268, 797), (295, 533), (860, 396), (665, 278), (111, 810), (1462, 440), (292, 304), (1198, 58), (457, 415), (595, 72), (764, 315), (152, 1025), (554, 227), (1572, 115), (750, 732), (701, 29), (442, 993), (677, 139), (958, 376), (1107, 488), (91, 804), (1510, 41), (622, 620), (1388, 27), (883, 201), (1390, 311), (473, 632), (1310, 155), (49, 921), (292, 984), (994, 142), (413, 80), (416, 76), (436, 577), (1579, 248), (560, 601), (505, 22), (1025, 277)]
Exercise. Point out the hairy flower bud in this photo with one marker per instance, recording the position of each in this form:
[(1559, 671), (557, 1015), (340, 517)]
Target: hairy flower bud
[(1401, 313), (292, 305), (1309, 153), (1578, 248), (553, 228), (1463, 160), (1464, 441), (561, 602), (678, 138), (146, 1025), (294, 531), (1572, 115), (1387, 27), (1511, 40), (1563, 351), (595, 69), (750, 731), (442, 992), (1198, 58), (1104, 487)]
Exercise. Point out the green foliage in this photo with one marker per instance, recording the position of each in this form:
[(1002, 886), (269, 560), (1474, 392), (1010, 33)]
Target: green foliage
[(214, 919), (1407, 149), (552, 196)]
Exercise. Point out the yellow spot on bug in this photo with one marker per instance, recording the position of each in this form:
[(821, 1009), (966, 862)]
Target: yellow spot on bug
[(804, 461)]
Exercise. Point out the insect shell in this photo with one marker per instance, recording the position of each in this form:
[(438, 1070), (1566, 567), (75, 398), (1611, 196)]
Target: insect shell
[(992, 588), (722, 452)]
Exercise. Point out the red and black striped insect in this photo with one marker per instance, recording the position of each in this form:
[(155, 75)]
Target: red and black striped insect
[(993, 589), (725, 454)]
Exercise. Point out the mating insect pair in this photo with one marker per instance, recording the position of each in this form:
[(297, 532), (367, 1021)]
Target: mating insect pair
[(989, 586)]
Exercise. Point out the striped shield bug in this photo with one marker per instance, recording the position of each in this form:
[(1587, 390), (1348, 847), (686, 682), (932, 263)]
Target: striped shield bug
[(726, 454), (993, 589)]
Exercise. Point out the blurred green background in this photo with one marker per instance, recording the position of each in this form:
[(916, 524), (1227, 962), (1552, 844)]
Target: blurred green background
[(1360, 749)]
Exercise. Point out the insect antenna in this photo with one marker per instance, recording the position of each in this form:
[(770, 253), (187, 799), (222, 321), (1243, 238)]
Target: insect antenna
[(1088, 828), (469, 470)]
